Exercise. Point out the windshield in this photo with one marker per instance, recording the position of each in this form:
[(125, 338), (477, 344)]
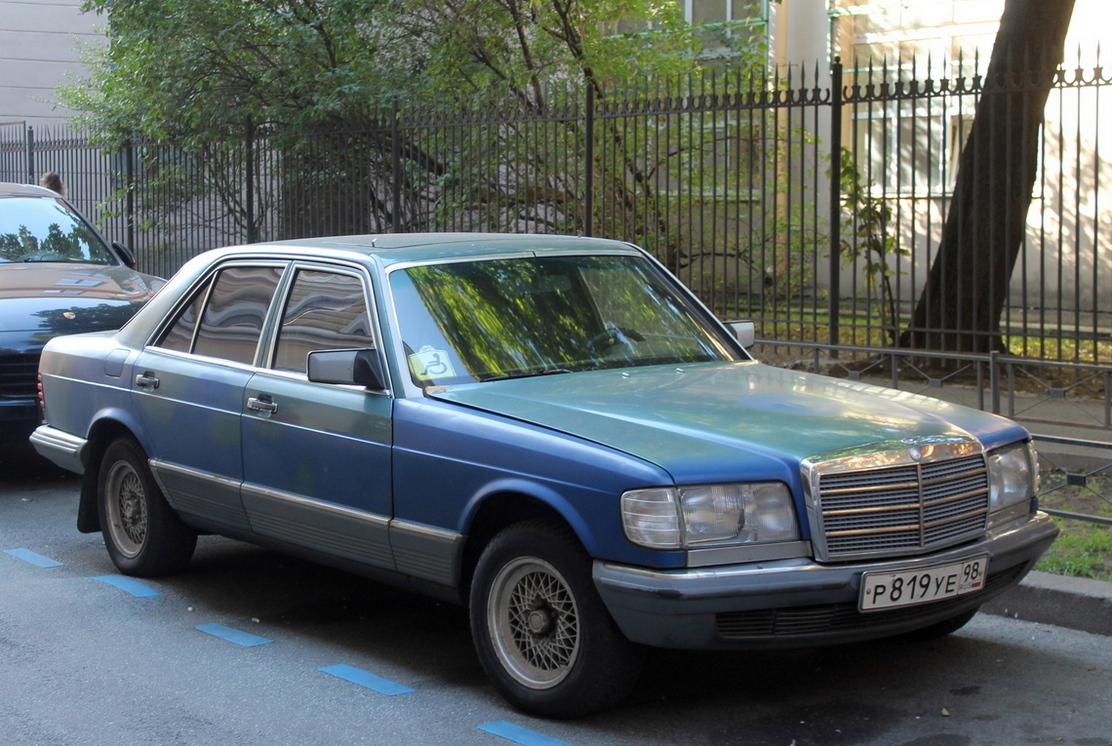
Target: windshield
[(44, 229), (507, 318)]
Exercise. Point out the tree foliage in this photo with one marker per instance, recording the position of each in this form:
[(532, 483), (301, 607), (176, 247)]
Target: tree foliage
[(186, 68), (325, 80)]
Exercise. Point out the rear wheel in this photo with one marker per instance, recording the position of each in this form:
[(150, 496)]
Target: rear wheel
[(541, 631), (143, 534)]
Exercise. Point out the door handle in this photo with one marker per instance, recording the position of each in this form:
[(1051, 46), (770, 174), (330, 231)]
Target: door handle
[(262, 404), (147, 380)]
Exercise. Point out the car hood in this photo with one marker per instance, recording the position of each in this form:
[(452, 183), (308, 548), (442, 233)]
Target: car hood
[(722, 421), (40, 301)]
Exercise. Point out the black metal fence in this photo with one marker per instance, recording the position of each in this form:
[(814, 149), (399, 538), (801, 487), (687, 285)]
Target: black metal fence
[(812, 203)]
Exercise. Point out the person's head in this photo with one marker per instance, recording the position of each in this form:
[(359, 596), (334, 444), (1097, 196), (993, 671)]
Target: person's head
[(51, 180)]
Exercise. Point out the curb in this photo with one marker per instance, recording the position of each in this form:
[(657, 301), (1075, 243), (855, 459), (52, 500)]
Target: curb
[(1077, 603)]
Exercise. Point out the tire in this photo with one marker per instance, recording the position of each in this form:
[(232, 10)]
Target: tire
[(940, 629), (540, 628), (144, 536)]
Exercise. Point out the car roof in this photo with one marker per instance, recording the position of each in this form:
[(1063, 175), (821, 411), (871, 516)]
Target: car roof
[(11, 189), (385, 250), (395, 248)]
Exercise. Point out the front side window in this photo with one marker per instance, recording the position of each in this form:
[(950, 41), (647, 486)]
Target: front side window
[(231, 320), (324, 311), (505, 318)]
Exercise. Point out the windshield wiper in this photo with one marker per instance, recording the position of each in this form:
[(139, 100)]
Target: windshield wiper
[(530, 374)]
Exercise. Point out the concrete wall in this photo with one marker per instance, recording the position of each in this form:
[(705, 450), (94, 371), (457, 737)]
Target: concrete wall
[(39, 45)]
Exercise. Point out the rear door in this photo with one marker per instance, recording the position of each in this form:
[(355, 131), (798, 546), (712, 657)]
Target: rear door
[(316, 457), (189, 386)]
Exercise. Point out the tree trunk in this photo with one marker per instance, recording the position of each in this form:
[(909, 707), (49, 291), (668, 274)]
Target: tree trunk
[(964, 296)]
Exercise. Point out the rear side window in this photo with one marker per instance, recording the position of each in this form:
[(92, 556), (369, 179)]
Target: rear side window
[(324, 311), (231, 321)]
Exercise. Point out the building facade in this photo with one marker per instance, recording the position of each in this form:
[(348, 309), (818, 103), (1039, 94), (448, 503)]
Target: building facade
[(40, 44)]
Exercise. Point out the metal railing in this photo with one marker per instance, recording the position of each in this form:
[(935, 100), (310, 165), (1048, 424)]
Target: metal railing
[(1066, 406), (811, 203)]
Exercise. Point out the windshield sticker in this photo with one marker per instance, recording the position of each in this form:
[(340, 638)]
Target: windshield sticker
[(431, 363)]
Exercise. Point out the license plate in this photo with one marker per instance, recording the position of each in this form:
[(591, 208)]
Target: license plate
[(885, 590)]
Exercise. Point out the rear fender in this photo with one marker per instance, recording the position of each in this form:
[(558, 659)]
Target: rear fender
[(110, 425)]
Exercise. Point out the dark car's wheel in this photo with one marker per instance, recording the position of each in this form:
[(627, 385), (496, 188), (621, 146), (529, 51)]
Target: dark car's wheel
[(541, 631), (143, 534), (940, 629)]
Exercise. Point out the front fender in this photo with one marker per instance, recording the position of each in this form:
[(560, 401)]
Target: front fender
[(543, 494)]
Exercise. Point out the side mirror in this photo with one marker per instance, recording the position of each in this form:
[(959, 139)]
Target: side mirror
[(360, 367), (124, 253), (744, 332)]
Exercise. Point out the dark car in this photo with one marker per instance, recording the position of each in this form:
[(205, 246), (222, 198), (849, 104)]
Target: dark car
[(549, 429), (57, 276)]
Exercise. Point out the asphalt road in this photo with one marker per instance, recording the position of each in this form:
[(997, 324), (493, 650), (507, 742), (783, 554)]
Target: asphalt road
[(84, 661)]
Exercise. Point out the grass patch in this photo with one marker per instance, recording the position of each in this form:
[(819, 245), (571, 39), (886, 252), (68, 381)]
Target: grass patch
[(1084, 548)]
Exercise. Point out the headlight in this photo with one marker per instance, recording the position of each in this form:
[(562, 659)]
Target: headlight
[(709, 515), (1012, 475)]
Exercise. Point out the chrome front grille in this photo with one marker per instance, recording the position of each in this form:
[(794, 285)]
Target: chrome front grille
[(924, 495)]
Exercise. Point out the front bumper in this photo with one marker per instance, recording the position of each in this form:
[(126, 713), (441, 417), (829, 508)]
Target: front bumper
[(797, 602)]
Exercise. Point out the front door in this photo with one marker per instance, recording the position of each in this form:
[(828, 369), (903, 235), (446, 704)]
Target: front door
[(316, 457)]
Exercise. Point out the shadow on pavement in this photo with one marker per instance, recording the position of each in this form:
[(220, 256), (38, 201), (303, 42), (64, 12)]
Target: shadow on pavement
[(20, 464)]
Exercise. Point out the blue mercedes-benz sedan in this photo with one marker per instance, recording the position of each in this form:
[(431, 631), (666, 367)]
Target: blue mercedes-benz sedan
[(551, 430)]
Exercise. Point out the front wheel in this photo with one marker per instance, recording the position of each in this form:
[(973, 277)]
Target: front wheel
[(541, 631), (143, 534)]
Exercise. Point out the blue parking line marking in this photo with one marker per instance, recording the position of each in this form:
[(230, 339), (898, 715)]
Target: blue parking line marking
[(239, 637), (35, 559), (366, 679), (520, 735), (133, 587)]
